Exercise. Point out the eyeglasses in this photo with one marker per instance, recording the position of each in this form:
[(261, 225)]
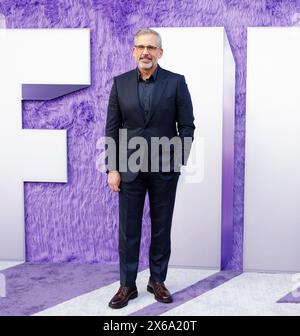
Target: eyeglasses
[(149, 48)]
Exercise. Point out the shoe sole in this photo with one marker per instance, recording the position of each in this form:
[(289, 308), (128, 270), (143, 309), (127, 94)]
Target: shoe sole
[(150, 290), (132, 296)]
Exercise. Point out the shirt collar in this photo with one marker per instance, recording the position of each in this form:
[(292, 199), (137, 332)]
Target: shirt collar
[(152, 77)]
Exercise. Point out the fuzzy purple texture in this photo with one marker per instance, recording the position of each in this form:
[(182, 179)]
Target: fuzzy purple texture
[(78, 221), (292, 297), (33, 287)]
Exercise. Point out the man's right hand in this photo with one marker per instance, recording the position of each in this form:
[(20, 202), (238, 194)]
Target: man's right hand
[(113, 180)]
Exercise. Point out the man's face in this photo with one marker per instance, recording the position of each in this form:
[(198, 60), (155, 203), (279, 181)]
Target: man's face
[(145, 58)]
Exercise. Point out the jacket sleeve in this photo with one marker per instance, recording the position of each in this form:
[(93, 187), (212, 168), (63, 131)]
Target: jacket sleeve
[(185, 118), (113, 123)]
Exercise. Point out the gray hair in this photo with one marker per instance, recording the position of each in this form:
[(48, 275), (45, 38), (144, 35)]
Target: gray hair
[(145, 31)]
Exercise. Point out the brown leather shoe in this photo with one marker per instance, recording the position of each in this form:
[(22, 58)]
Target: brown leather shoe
[(123, 295), (160, 291)]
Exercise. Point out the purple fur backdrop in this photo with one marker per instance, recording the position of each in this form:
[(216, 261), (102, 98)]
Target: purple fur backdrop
[(78, 221)]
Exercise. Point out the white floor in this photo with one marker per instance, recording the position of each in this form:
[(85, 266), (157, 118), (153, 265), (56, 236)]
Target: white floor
[(247, 294), (96, 302)]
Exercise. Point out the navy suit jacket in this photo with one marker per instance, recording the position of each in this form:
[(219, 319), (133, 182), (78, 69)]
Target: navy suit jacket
[(171, 114)]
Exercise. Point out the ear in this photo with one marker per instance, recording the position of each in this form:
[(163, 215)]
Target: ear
[(161, 51)]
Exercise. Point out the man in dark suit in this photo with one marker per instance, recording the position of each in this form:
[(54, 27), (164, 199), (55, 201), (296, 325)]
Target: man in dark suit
[(146, 103)]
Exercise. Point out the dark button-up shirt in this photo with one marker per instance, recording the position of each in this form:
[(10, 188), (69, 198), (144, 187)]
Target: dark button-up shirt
[(145, 90)]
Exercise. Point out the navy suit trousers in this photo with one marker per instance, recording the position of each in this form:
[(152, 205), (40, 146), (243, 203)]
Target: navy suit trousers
[(132, 194)]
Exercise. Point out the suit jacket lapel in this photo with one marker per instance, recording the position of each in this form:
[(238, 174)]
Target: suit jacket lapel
[(160, 85), (134, 94)]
